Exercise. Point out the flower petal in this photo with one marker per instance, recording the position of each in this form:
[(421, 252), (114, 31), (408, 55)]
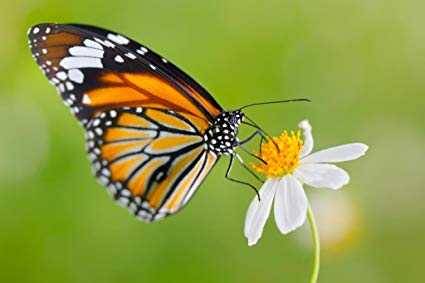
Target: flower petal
[(259, 211), (290, 205), (340, 153), (322, 175), (308, 138)]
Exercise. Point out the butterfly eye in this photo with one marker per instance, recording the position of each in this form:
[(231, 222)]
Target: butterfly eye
[(235, 120)]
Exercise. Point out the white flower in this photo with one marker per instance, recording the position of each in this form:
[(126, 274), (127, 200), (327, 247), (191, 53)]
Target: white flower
[(289, 166)]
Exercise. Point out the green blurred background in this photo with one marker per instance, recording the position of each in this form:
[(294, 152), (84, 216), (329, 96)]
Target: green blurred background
[(361, 62)]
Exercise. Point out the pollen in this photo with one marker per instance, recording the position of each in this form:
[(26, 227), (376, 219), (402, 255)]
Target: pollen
[(281, 155)]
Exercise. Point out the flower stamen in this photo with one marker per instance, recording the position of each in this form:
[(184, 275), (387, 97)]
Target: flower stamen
[(284, 158)]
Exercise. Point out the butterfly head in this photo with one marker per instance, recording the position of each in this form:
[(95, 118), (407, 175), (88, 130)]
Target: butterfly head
[(236, 117), (221, 136)]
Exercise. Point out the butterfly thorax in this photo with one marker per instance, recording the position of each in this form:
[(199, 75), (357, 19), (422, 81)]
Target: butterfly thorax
[(221, 136)]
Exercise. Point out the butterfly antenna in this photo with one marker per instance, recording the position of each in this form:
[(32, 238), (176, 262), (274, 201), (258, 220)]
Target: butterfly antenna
[(275, 102), (252, 173), (229, 168)]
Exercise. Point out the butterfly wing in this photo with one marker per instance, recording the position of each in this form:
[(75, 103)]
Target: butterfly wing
[(96, 69), (151, 160), (144, 117)]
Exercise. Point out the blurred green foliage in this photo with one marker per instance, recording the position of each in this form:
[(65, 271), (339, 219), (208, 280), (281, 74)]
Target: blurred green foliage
[(361, 62)]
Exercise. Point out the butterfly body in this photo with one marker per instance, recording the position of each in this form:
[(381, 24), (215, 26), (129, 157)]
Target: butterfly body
[(152, 132), (221, 136)]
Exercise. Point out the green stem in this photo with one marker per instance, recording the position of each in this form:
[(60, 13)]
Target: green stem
[(316, 245)]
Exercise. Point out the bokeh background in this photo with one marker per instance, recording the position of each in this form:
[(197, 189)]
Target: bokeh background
[(361, 62)]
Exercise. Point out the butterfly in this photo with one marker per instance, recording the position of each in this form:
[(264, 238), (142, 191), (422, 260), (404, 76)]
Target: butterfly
[(152, 132)]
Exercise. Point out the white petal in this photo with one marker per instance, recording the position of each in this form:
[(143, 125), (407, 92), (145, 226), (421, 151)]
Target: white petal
[(308, 137), (340, 153), (258, 212), (290, 205), (322, 175)]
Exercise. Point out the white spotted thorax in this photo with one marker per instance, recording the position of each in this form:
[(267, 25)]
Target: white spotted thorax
[(221, 137)]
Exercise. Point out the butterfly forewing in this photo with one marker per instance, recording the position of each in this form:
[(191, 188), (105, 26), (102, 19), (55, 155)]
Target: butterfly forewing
[(95, 70), (201, 96)]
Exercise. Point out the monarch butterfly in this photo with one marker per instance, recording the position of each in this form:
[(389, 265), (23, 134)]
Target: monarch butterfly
[(152, 132)]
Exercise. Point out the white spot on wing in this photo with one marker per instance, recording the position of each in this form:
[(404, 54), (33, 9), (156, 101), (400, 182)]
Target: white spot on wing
[(86, 99), (92, 44), (54, 81), (35, 30), (117, 38), (76, 75), (106, 43), (69, 86), (142, 50), (119, 59), (86, 51), (130, 55), (98, 131), (62, 76), (80, 62)]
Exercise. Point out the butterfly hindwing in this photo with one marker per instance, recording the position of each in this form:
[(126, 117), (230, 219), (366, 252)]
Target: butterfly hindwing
[(151, 160), (96, 70)]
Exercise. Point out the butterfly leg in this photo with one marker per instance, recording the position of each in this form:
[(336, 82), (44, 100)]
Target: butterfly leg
[(228, 177), (259, 132), (248, 169), (253, 135)]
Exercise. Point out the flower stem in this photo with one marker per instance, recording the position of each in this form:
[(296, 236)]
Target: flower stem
[(316, 245)]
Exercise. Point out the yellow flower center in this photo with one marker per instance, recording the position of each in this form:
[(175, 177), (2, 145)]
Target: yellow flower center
[(280, 161)]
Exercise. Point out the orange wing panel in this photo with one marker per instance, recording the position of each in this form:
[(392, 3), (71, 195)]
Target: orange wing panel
[(205, 103), (169, 143), (114, 95), (157, 195), (122, 169), (168, 120), (143, 90), (162, 91), (190, 183), (137, 184), (114, 150), (117, 134), (132, 120), (61, 38), (185, 184)]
